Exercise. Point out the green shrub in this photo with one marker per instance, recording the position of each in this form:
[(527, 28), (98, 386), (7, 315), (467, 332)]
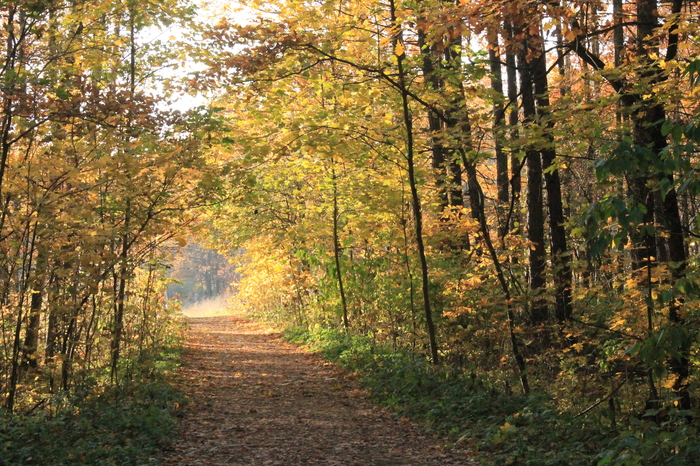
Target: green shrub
[(673, 441), (124, 426)]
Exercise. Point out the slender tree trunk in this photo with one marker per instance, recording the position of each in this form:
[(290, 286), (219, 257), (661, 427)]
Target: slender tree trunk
[(435, 125), (473, 181), (409, 275), (618, 32), (336, 248), (514, 221), (124, 254), (11, 51), (30, 349), (415, 198), (452, 63), (120, 296), (503, 197)]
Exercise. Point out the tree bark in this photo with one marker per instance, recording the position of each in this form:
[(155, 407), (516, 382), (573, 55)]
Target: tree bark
[(514, 221), (30, 348), (561, 256), (435, 124), (502, 185), (535, 208)]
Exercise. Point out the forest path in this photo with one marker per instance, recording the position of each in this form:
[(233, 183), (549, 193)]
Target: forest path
[(257, 400)]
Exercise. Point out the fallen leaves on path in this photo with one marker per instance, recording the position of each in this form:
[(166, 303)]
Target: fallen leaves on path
[(257, 400)]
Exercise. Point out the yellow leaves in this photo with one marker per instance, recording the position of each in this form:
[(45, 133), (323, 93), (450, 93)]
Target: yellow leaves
[(549, 25), (670, 381), (618, 324), (399, 49), (458, 312), (684, 46)]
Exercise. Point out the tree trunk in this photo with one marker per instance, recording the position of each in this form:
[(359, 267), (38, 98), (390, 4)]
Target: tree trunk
[(502, 187), (435, 126), (478, 201), (514, 220), (120, 298), (647, 133), (561, 267), (415, 199), (336, 248), (535, 208), (30, 349), (453, 64)]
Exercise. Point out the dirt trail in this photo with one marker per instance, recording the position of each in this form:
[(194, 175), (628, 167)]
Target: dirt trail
[(257, 400)]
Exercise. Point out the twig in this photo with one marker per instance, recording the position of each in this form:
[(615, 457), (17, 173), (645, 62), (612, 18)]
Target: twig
[(609, 395)]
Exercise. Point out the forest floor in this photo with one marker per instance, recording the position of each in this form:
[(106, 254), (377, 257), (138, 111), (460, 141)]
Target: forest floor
[(257, 400)]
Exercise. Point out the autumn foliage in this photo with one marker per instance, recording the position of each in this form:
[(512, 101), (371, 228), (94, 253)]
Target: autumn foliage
[(96, 176), (504, 190), (507, 188)]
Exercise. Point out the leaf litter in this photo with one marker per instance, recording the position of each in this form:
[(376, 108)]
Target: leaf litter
[(257, 400)]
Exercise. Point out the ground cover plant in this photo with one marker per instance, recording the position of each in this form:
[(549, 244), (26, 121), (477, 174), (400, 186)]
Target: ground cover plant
[(129, 425)]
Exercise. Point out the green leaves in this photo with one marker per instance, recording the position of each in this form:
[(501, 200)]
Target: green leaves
[(692, 71), (128, 426)]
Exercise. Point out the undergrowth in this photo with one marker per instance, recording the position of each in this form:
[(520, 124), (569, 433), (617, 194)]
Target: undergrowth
[(94, 425), (506, 428)]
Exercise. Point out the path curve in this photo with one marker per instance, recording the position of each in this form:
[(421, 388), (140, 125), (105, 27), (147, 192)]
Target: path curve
[(257, 400)]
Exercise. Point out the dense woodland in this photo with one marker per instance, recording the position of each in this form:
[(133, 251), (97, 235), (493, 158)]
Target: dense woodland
[(505, 190), (96, 176)]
